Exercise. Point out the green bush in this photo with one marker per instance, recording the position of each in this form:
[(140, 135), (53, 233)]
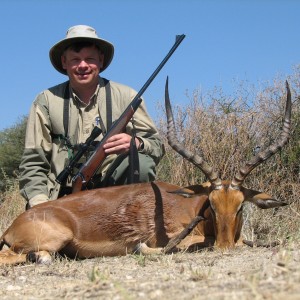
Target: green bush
[(11, 148)]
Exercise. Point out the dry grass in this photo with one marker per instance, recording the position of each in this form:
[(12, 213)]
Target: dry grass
[(12, 204)]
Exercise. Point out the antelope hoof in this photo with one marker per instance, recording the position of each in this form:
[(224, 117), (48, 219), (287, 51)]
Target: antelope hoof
[(143, 249), (41, 257)]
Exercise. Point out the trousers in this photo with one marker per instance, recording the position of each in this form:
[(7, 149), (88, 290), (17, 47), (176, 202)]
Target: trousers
[(119, 171)]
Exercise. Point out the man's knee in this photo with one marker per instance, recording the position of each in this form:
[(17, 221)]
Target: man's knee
[(121, 175), (38, 199)]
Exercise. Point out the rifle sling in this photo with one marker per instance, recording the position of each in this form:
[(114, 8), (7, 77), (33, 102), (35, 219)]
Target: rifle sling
[(134, 164), (108, 104)]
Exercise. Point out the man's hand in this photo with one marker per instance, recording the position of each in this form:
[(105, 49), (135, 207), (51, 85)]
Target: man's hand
[(119, 143)]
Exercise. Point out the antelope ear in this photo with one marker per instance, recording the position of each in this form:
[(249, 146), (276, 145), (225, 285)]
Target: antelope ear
[(262, 200), (193, 190)]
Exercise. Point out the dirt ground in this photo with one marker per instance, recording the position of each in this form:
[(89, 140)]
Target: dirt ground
[(243, 273)]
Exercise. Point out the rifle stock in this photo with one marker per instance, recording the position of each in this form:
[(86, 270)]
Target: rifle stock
[(88, 170)]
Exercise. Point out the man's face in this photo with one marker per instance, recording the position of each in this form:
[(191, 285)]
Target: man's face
[(83, 67)]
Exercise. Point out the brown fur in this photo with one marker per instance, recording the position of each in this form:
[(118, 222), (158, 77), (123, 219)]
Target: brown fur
[(113, 221)]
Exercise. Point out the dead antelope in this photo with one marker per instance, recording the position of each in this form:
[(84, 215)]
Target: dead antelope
[(115, 220)]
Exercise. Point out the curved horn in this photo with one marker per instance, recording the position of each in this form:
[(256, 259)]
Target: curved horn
[(173, 142), (271, 150)]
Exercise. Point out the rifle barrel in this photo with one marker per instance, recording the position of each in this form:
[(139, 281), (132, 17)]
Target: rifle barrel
[(179, 39)]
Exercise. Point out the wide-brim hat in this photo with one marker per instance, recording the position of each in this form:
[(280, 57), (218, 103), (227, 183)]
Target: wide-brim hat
[(80, 33)]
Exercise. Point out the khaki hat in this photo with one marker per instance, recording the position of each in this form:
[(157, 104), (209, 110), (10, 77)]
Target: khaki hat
[(80, 33)]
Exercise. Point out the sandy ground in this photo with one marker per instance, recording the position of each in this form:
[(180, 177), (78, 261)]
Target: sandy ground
[(243, 273)]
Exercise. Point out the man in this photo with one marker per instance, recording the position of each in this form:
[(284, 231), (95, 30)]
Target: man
[(63, 116)]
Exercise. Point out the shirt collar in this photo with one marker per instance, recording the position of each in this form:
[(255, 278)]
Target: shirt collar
[(92, 101)]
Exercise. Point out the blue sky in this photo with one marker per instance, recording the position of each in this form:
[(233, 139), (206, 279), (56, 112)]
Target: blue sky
[(226, 40)]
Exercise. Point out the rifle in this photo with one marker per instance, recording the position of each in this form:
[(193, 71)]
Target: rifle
[(88, 170)]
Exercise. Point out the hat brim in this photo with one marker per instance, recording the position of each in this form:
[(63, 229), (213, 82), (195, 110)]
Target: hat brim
[(58, 49)]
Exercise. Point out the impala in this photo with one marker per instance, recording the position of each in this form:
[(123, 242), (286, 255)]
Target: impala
[(150, 216)]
